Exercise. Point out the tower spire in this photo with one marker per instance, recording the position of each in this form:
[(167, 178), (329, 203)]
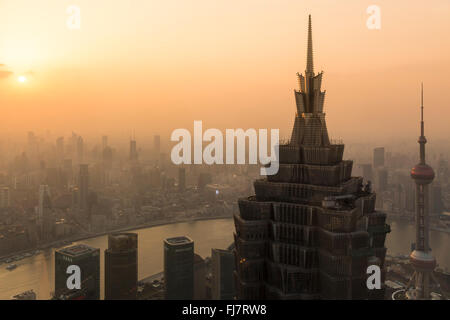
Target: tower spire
[(309, 61), (422, 139), (421, 113)]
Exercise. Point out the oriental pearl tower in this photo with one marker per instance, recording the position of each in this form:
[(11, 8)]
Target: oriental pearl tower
[(421, 258)]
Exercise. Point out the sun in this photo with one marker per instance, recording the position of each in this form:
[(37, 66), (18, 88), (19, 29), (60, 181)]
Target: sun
[(22, 79)]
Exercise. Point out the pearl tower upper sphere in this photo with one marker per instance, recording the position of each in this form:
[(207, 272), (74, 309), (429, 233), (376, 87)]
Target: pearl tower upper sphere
[(422, 173)]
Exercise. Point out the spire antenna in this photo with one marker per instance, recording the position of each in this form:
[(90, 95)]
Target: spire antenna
[(421, 103), (421, 112), (309, 60)]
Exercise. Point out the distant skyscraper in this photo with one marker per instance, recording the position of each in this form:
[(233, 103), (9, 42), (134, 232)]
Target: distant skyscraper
[(443, 173), (80, 149), (121, 267), (133, 150), (179, 268), (421, 258), (44, 206), (60, 148), (378, 157), (311, 230), (181, 179), (382, 180), (222, 265), (5, 198), (367, 172), (88, 259), (104, 142), (436, 204), (107, 156), (83, 186), (43, 201)]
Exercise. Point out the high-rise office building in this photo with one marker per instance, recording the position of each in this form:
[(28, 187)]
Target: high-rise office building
[(83, 187), (121, 267), (311, 230), (222, 266), (133, 150), (179, 268), (88, 260), (378, 157), (5, 197)]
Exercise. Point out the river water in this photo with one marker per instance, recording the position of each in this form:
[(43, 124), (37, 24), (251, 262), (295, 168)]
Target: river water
[(37, 272)]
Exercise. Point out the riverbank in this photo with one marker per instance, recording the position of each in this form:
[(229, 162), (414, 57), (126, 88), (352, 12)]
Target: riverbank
[(67, 241), (412, 220)]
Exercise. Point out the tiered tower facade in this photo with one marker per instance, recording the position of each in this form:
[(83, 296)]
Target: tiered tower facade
[(311, 230)]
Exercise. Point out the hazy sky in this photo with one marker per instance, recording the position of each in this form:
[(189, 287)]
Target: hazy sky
[(154, 66)]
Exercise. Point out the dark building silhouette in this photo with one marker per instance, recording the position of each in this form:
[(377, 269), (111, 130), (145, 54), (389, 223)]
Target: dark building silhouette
[(121, 267), (179, 268), (378, 157), (311, 230), (88, 259), (222, 266), (44, 209)]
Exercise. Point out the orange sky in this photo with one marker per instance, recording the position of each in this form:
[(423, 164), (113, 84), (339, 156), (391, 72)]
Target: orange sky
[(154, 66)]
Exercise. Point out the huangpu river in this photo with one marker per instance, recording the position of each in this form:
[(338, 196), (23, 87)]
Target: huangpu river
[(37, 272)]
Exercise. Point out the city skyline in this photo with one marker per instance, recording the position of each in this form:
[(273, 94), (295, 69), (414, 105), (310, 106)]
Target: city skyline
[(134, 155)]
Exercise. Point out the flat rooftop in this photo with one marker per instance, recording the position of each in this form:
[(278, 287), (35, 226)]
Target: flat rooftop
[(77, 250), (178, 240)]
